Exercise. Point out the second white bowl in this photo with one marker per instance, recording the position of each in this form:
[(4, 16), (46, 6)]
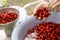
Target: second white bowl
[(20, 31)]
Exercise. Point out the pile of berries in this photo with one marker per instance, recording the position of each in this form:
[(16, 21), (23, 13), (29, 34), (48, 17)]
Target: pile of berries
[(8, 17), (45, 31)]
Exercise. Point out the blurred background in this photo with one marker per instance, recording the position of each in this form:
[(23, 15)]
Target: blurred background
[(22, 3)]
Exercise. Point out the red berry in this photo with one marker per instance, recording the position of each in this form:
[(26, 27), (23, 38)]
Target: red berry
[(42, 13), (46, 31), (7, 17)]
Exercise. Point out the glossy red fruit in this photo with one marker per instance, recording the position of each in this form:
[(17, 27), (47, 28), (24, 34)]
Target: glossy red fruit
[(46, 31), (42, 13), (8, 17)]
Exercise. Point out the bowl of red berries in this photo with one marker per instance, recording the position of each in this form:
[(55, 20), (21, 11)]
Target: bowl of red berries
[(8, 18), (34, 29), (8, 15)]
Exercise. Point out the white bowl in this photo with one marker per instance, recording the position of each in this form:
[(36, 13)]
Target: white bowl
[(19, 10), (20, 31), (9, 9), (10, 25)]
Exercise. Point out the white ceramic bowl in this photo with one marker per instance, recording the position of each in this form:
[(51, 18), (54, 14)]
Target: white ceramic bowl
[(10, 25), (20, 31), (8, 9)]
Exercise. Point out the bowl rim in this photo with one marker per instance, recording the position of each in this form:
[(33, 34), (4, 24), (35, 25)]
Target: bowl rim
[(23, 13), (18, 28), (12, 21)]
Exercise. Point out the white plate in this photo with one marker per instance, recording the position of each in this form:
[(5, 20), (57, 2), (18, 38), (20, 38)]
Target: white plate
[(20, 31), (22, 12)]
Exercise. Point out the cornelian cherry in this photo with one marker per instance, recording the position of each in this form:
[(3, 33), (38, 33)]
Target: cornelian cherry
[(45, 31), (42, 13), (8, 17)]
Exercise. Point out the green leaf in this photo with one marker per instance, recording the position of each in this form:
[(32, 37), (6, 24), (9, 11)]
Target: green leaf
[(4, 2)]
